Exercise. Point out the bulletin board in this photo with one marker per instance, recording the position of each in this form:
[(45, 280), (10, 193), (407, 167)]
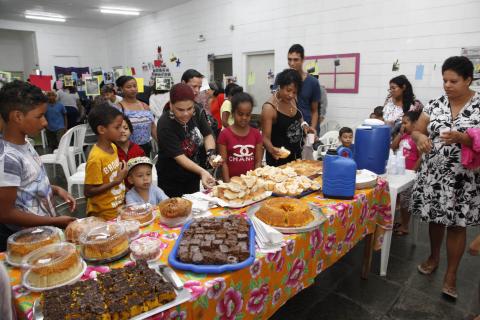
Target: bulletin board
[(473, 53), (339, 73)]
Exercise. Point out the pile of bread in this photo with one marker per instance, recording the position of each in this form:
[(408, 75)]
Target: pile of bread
[(257, 184)]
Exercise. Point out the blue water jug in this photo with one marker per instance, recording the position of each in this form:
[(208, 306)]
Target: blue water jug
[(339, 174), (372, 145)]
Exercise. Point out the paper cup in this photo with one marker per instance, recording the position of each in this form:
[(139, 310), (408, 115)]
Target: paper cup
[(310, 139)]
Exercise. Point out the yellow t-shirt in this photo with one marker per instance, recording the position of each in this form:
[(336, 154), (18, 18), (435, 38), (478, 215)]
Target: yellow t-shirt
[(227, 107), (102, 167)]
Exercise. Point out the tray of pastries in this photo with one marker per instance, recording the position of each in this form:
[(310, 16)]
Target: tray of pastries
[(306, 168), (52, 266), (76, 228), (240, 191), (133, 292), (21, 243), (141, 212), (214, 245), (175, 211), (103, 244), (288, 215)]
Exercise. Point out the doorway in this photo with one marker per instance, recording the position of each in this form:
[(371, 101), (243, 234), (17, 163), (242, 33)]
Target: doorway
[(222, 66), (259, 66)]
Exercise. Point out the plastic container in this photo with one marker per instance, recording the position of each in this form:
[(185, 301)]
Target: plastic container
[(141, 212), (76, 228), (175, 211), (105, 243), (52, 266), (339, 174), (132, 228), (21, 243), (146, 248), (372, 145)]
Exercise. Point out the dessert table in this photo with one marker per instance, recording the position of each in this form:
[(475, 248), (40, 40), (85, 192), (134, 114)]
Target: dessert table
[(256, 292)]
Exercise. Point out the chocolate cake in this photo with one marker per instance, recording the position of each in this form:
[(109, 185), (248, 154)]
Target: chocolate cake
[(119, 294), (215, 241)]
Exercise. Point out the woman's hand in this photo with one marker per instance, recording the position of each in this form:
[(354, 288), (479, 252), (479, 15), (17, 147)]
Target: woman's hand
[(450, 137), (215, 161), (67, 197), (207, 180), (424, 144)]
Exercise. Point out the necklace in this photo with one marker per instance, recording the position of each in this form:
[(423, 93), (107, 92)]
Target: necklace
[(292, 106)]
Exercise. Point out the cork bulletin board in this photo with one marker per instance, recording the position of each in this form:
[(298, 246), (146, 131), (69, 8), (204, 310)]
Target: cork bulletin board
[(339, 73)]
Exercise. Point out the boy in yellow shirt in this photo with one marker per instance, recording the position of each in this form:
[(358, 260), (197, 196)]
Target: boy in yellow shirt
[(104, 173)]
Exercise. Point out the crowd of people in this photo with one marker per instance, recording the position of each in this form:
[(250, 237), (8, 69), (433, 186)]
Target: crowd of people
[(191, 135)]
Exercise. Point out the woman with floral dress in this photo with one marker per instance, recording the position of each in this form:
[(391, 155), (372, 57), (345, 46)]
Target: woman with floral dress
[(400, 100), (446, 194)]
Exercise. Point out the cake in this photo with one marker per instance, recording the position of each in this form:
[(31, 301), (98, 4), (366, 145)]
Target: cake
[(53, 265), (119, 294), (285, 212), (141, 212), (25, 241), (132, 228), (76, 228), (104, 243), (145, 248), (175, 208), (215, 241)]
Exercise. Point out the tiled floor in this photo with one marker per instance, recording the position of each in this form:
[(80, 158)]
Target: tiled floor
[(338, 293)]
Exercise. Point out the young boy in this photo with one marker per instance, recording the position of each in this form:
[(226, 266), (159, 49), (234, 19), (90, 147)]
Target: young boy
[(345, 136), (26, 196), (57, 120), (104, 173), (140, 176)]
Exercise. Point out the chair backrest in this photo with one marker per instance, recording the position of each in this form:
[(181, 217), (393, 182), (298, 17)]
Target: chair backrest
[(79, 133), (332, 125), (155, 159), (65, 143), (330, 138)]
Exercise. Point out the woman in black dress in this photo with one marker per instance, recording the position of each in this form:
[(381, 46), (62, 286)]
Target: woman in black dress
[(182, 131), (282, 121)]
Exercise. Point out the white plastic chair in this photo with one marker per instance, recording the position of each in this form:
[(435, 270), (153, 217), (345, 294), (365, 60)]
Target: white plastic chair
[(329, 140), (77, 149), (44, 139), (78, 178), (332, 125), (61, 156)]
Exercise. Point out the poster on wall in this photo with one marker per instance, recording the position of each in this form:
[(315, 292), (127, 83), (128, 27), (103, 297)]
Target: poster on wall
[(473, 53), (164, 84), (92, 87)]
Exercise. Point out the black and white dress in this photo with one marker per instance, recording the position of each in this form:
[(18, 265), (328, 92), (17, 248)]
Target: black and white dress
[(445, 192)]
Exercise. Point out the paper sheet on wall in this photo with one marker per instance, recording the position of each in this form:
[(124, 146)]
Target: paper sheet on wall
[(100, 78), (140, 84), (251, 79), (419, 72)]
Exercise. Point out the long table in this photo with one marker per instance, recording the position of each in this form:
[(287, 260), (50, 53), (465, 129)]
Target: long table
[(258, 291)]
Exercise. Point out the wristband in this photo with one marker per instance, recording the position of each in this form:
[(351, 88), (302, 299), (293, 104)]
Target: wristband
[(304, 123)]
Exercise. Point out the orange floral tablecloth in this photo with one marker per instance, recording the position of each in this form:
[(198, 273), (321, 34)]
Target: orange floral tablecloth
[(258, 291)]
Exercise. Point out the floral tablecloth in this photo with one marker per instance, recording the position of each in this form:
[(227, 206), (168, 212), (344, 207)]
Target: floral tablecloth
[(261, 289)]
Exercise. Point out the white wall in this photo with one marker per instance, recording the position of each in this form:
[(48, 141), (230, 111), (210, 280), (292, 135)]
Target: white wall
[(54, 41), (415, 32)]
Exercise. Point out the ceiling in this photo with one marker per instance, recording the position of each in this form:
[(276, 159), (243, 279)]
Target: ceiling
[(82, 13)]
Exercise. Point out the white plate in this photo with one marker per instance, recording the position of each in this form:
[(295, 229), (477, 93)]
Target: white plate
[(174, 222), (318, 219), (365, 177), (236, 205), (141, 224), (39, 289), (182, 296)]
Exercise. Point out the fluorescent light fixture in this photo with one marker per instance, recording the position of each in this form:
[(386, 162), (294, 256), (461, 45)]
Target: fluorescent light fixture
[(124, 11), (47, 16)]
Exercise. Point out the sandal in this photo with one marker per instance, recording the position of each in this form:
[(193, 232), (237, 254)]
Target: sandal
[(450, 292), (426, 268)]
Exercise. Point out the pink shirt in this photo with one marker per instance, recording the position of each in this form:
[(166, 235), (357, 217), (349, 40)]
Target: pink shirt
[(410, 151), (240, 150)]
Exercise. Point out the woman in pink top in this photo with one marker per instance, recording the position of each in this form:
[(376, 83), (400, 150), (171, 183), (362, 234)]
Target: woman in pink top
[(240, 146), (405, 143)]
